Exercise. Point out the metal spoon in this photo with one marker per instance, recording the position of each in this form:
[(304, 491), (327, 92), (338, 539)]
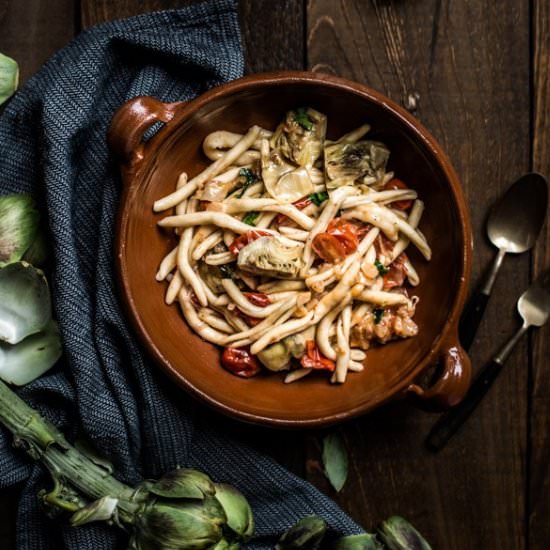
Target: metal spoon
[(513, 227), (534, 308)]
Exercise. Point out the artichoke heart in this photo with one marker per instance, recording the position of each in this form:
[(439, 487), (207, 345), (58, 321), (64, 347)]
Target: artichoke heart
[(301, 136), (271, 256), (278, 356), (291, 186), (346, 163)]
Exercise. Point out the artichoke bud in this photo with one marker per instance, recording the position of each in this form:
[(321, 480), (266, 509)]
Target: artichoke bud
[(179, 524), (183, 483), (9, 79), (18, 226), (398, 534), (224, 544), (102, 509), (306, 534), (365, 541), (240, 518)]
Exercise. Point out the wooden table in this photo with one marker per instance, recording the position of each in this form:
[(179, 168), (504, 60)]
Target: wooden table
[(479, 76)]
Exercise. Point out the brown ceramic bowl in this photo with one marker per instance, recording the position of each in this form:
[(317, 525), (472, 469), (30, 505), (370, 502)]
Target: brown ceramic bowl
[(150, 171)]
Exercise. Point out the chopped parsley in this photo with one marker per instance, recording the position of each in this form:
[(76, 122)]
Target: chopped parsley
[(318, 198), (381, 269), (249, 178), (251, 218), (378, 314), (302, 118), (226, 271)]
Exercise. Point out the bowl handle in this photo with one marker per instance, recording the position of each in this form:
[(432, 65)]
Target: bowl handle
[(130, 123), (451, 385)]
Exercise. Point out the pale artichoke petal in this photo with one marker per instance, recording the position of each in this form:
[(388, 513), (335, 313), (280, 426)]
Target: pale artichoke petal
[(291, 186), (306, 534), (398, 534), (25, 306), (9, 77), (31, 358), (240, 518), (19, 221), (183, 483), (366, 541), (102, 509)]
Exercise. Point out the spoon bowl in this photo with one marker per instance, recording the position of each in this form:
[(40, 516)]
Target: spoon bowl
[(534, 303), (515, 221)]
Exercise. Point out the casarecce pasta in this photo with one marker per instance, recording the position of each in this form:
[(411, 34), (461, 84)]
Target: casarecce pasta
[(291, 250)]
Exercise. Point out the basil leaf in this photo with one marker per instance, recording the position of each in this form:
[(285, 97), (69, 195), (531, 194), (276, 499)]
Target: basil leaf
[(335, 460), (251, 218), (302, 118), (9, 77), (381, 269), (249, 178), (378, 314), (318, 198)]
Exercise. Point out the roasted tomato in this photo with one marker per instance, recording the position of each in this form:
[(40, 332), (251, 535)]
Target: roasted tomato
[(314, 359), (398, 184), (397, 272), (340, 239), (244, 239), (241, 362), (300, 204), (258, 298)]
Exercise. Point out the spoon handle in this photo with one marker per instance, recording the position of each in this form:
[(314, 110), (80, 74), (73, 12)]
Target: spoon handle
[(449, 423), (474, 310)]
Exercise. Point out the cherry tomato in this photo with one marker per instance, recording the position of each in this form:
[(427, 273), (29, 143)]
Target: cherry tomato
[(397, 273), (246, 238), (313, 359), (241, 362), (398, 184), (300, 204), (258, 298), (340, 239)]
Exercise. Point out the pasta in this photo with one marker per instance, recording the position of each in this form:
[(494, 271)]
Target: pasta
[(292, 249)]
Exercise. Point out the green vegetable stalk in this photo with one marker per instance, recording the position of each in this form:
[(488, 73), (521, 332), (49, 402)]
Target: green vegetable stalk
[(184, 509)]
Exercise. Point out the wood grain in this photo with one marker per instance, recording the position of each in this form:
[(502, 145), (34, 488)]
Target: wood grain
[(455, 65), (539, 441)]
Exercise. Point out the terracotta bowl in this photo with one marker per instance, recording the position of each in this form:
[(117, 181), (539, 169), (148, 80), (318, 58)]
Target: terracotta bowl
[(150, 171)]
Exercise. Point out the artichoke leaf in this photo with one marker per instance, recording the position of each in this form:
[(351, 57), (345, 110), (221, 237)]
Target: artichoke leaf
[(398, 534), (19, 221), (306, 534), (24, 362), (25, 306), (366, 541), (183, 483), (301, 135), (9, 77), (240, 518), (103, 509)]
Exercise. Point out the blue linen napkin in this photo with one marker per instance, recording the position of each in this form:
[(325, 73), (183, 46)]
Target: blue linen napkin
[(52, 144)]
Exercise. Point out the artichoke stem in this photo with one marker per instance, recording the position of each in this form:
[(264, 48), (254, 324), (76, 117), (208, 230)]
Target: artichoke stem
[(43, 441)]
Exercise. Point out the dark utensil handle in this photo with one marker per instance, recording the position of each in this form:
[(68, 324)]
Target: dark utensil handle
[(451, 421), (471, 318)]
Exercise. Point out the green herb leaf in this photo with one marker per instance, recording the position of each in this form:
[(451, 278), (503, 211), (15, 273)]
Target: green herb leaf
[(335, 460), (302, 118), (378, 314), (249, 178), (318, 198), (9, 77), (382, 270), (251, 218)]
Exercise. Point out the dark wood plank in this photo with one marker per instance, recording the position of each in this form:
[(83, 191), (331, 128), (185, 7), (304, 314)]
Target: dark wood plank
[(30, 32), (470, 81), (539, 450)]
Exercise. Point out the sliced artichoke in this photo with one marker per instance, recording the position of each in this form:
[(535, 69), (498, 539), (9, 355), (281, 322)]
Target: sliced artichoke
[(301, 136), (9, 77), (278, 356), (274, 167), (24, 362), (292, 186), (19, 221), (25, 306), (346, 163), (271, 256)]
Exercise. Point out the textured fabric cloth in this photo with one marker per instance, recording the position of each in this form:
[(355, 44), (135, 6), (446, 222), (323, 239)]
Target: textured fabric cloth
[(52, 144)]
